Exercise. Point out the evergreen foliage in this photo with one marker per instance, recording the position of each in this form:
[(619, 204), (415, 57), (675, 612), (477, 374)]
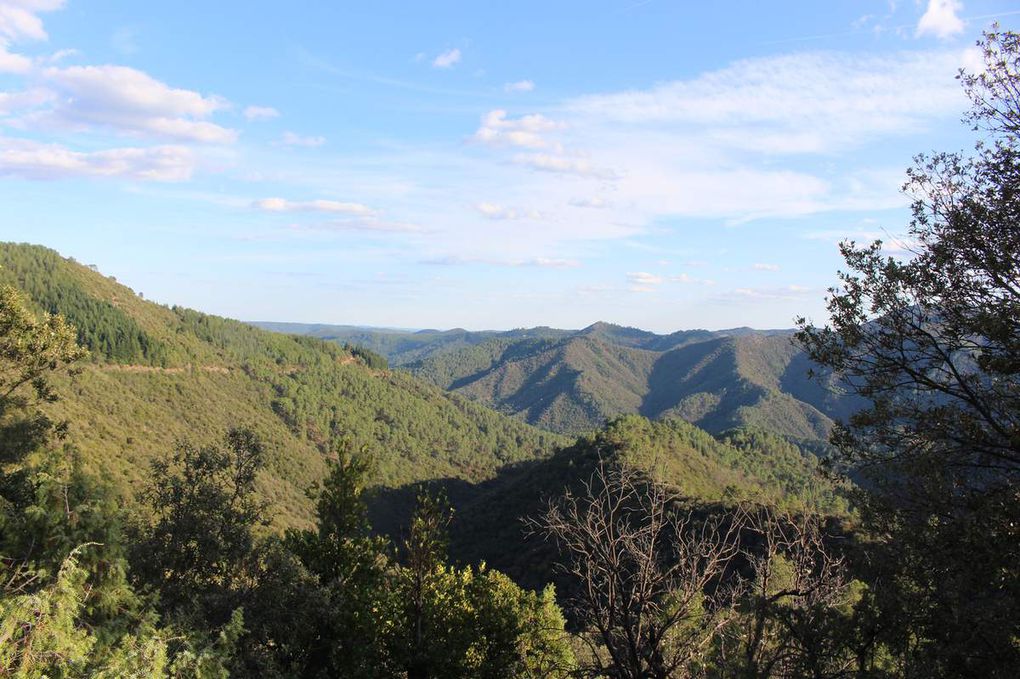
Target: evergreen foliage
[(932, 342)]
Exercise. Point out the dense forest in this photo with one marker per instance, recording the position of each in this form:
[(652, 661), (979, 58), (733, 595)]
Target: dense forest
[(183, 495), (570, 382)]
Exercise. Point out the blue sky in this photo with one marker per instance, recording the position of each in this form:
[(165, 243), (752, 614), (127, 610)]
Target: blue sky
[(660, 164)]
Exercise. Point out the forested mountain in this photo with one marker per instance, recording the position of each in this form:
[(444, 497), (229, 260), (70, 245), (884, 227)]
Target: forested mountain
[(158, 374), (716, 381), (572, 381), (401, 347)]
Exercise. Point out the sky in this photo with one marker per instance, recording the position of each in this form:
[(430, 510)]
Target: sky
[(664, 165)]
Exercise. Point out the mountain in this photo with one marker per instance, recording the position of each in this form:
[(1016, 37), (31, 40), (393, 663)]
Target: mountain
[(159, 374), (572, 381), (401, 347), (717, 381)]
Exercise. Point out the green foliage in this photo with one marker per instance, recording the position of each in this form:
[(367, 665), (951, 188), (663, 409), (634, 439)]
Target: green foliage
[(453, 622), (573, 384), (54, 287), (205, 513), (932, 343), (301, 395), (368, 357), (478, 623), (30, 351), (42, 634)]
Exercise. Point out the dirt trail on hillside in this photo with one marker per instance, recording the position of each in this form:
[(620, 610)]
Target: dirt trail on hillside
[(117, 367)]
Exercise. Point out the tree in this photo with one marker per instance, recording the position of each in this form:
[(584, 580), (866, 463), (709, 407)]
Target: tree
[(795, 610), (31, 350), (933, 343), (649, 575), (201, 547), (352, 568)]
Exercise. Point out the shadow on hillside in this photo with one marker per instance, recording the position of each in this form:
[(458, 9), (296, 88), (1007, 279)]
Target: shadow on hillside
[(488, 522)]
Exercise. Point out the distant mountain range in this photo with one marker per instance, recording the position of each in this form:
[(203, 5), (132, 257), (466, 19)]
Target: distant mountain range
[(572, 381)]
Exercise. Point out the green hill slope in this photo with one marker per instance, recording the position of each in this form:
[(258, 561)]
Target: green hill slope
[(573, 385), (572, 381), (710, 472), (158, 374)]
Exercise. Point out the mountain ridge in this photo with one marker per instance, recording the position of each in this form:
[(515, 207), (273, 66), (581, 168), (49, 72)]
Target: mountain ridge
[(571, 381)]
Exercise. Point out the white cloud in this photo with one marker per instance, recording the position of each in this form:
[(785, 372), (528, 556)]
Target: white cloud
[(496, 211), (519, 86), (284, 205), (758, 266), (539, 262), (260, 113), (130, 101), (292, 139), (11, 102), (497, 129), (547, 162), (19, 22), (595, 203), (814, 102), (33, 160), (645, 278), (447, 59), (941, 19), (768, 294), (551, 263), (368, 223), (687, 279)]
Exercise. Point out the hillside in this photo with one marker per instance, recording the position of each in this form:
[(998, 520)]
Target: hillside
[(711, 472), (158, 374), (715, 381), (572, 381)]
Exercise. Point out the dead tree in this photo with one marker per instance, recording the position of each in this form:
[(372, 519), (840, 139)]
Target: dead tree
[(792, 620), (648, 574)]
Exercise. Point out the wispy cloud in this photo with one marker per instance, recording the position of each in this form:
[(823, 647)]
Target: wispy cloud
[(125, 40), (687, 279), (759, 266), (519, 86), (294, 139), (260, 113), (548, 162), (34, 160), (354, 223), (814, 102), (447, 59), (283, 205), (498, 129), (765, 294), (893, 244), (595, 202), (642, 281), (500, 212), (538, 262), (11, 102)]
